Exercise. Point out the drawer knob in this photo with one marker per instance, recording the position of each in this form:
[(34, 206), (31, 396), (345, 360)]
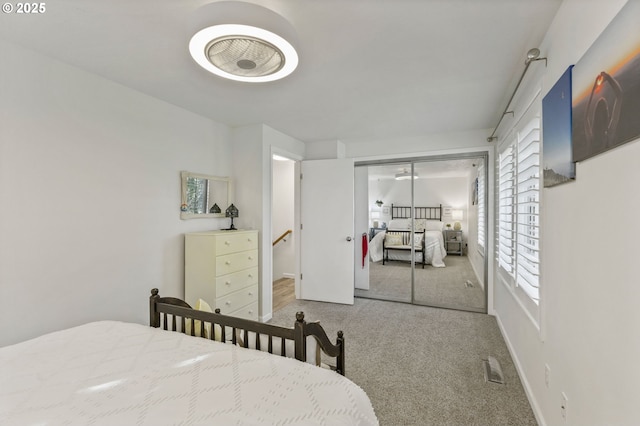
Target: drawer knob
[(250, 275), (227, 242), (250, 293), (227, 282), (228, 262), (250, 258), (228, 303), (250, 312)]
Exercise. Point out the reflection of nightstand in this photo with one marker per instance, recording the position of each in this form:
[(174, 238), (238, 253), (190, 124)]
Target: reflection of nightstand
[(374, 231), (453, 241)]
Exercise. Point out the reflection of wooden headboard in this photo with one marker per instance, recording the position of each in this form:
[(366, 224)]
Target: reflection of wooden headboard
[(429, 213)]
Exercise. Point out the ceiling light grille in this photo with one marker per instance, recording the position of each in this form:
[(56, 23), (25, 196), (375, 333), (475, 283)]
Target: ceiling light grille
[(243, 53), (245, 56), (405, 175)]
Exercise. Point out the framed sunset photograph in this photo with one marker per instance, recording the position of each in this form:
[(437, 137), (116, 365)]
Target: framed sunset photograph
[(606, 88)]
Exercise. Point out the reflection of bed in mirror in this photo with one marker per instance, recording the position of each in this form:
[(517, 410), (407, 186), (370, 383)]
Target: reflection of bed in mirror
[(394, 243)]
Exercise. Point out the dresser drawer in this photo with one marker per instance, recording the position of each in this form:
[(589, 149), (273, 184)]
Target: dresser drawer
[(236, 300), (236, 262), (247, 312), (226, 284), (233, 243)]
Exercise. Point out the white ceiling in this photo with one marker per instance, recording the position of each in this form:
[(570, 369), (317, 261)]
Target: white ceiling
[(368, 69)]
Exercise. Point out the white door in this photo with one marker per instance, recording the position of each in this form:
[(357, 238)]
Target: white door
[(327, 240)]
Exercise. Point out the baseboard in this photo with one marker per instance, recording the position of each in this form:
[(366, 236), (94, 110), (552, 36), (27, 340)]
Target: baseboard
[(288, 275), (475, 271), (523, 379), (267, 318)]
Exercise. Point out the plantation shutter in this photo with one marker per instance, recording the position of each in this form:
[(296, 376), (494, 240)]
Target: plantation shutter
[(506, 201), (528, 208)]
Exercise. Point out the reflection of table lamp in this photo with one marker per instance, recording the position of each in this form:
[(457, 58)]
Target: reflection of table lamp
[(374, 217), (231, 212), (215, 209), (457, 215)]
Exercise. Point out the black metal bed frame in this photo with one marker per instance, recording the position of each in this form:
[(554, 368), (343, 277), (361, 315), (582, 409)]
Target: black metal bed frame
[(173, 314), (428, 213)]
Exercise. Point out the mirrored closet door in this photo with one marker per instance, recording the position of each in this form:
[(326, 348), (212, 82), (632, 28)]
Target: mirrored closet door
[(426, 222), (389, 260)]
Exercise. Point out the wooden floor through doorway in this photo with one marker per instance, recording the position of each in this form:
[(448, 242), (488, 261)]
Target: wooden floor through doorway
[(283, 293)]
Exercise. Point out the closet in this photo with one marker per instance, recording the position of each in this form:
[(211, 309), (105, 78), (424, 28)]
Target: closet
[(435, 200)]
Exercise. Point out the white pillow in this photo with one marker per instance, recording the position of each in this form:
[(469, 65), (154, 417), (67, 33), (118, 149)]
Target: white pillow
[(433, 225), (392, 239), (202, 305), (399, 224), (419, 224)]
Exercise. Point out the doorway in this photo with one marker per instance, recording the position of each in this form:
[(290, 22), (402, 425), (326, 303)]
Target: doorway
[(283, 236), (425, 219), (316, 244)]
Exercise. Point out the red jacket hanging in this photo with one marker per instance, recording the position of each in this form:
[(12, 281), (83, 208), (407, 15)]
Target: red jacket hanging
[(365, 248)]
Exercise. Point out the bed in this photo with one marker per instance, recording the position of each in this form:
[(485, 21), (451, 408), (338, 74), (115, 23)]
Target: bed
[(394, 244), (117, 373)]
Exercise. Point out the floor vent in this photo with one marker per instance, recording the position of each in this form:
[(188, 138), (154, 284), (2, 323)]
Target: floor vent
[(468, 284), (493, 371)]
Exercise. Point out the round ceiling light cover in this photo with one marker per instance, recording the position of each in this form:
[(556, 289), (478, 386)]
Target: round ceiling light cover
[(243, 53)]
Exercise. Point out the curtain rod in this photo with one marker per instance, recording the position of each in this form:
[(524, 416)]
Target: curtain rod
[(532, 55)]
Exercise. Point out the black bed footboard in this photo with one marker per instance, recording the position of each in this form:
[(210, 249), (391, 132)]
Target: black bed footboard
[(170, 313)]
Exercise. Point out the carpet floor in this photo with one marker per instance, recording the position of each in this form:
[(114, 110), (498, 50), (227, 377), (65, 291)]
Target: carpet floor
[(454, 286), (422, 365)]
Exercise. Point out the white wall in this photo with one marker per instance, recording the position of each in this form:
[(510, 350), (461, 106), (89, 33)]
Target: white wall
[(253, 147), (428, 144), (589, 285), (324, 150), (429, 192), (284, 256), (90, 183)]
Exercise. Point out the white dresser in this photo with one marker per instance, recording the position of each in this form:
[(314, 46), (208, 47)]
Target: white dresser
[(221, 267)]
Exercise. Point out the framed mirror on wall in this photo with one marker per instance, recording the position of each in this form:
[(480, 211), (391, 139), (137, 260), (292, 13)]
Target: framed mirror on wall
[(204, 196)]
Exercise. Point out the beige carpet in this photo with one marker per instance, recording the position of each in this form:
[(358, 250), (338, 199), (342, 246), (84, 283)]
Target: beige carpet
[(454, 286), (420, 365)]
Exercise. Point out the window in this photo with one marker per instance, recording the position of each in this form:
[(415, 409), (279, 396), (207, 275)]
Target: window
[(480, 203), (518, 207)]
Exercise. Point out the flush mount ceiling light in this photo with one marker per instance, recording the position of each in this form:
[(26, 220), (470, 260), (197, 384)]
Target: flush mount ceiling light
[(243, 53), (405, 175)]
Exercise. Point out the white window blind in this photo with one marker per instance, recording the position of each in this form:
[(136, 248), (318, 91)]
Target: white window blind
[(528, 208), (481, 213), (519, 206), (506, 201)]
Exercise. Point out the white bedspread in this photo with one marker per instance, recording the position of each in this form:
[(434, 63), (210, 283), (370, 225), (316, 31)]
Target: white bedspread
[(114, 373), (434, 249)]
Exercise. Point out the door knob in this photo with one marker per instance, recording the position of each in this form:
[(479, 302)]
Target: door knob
[(348, 238)]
